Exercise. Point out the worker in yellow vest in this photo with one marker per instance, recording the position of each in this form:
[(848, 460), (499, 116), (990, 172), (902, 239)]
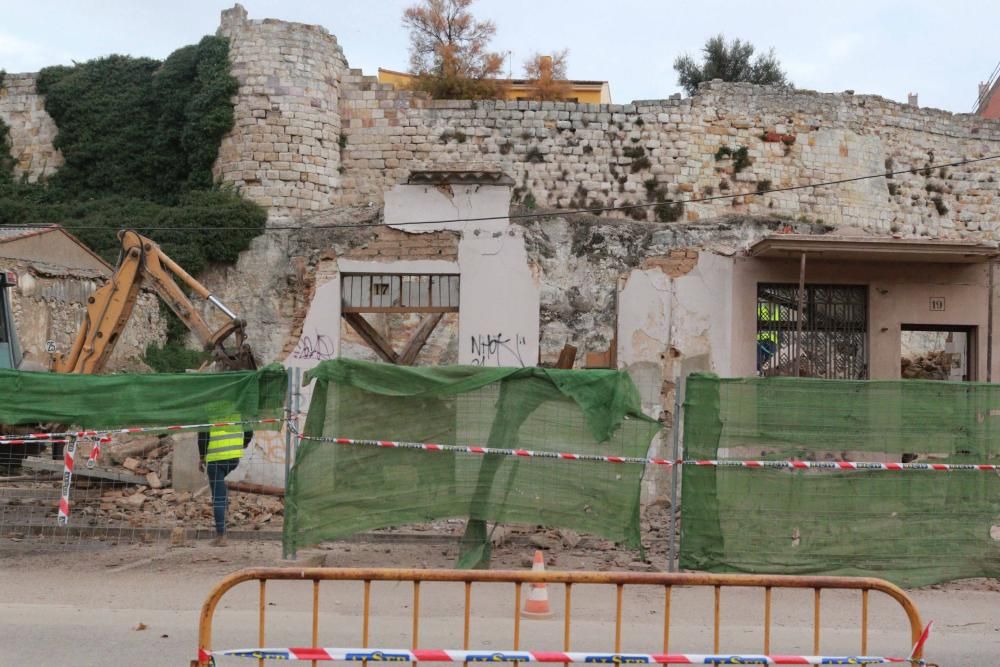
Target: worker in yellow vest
[(767, 338), (221, 449)]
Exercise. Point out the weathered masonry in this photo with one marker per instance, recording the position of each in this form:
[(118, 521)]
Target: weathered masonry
[(312, 135), (897, 281)]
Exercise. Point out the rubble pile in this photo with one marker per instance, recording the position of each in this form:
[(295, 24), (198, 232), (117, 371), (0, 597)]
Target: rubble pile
[(129, 487), (148, 456), (935, 365), (147, 507)]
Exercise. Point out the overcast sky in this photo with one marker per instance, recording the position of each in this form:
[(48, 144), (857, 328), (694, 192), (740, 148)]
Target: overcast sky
[(938, 49)]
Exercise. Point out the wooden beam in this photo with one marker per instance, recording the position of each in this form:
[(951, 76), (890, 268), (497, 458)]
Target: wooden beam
[(82, 471), (404, 310), (567, 357), (251, 487), (373, 338), (419, 338)]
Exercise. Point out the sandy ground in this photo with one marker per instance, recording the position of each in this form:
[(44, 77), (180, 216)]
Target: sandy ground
[(101, 604)]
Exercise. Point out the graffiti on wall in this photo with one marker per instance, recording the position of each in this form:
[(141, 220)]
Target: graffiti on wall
[(315, 346), (497, 349)]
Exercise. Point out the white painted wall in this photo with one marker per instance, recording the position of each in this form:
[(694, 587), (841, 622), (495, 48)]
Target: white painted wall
[(263, 461), (415, 203), (701, 318), (667, 325), (498, 312), (498, 316), (499, 308), (664, 320)]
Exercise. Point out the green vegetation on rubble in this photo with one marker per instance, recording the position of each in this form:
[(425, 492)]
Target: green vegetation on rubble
[(139, 138)]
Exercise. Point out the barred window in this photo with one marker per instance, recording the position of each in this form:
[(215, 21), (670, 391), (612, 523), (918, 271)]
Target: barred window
[(399, 293), (834, 332)]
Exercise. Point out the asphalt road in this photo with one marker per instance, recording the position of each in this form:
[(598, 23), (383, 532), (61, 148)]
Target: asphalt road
[(84, 608)]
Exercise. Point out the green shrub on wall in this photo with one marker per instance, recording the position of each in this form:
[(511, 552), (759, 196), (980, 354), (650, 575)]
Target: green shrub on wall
[(138, 127), (6, 159), (202, 221), (139, 138)]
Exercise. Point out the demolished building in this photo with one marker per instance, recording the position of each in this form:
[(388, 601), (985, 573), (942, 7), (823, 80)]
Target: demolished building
[(411, 230)]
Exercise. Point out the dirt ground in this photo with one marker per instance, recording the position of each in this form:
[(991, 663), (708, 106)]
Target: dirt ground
[(102, 604)]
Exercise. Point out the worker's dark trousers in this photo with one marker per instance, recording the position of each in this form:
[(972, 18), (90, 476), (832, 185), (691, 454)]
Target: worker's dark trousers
[(217, 471)]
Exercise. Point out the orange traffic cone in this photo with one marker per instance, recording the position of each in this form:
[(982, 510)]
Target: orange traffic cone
[(537, 604)]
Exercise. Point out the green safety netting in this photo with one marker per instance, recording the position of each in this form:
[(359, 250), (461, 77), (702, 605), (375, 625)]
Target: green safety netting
[(154, 399), (339, 490), (911, 527)]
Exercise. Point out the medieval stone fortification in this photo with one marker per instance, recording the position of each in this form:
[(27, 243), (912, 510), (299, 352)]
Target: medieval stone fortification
[(312, 135)]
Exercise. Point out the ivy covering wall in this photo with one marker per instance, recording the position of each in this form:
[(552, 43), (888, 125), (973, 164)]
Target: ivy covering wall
[(139, 137)]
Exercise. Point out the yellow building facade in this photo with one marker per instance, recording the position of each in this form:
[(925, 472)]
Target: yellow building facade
[(588, 92)]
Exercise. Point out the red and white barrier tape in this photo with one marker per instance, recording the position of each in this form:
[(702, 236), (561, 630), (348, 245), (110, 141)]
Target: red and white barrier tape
[(95, 450), (819, 465), (431, 655), (843, 465), (32, 441), (473, 449), (69, 454), (35, 437)]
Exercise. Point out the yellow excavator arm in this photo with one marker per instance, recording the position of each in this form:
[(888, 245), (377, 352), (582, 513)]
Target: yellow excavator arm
[(143, 264)]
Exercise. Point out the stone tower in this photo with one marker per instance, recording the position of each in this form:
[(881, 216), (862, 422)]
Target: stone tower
[(284, 149)]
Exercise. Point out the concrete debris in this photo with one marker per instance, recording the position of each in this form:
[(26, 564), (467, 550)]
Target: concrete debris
[(137, 446), (935, 365)]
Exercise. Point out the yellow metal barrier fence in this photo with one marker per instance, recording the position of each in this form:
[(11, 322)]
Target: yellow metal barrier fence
[(569, 579)]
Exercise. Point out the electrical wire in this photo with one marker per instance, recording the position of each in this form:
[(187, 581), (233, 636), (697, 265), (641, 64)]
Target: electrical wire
[(547, 214)]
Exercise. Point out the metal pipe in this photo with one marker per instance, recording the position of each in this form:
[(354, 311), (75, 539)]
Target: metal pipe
[(286, 551), (517, 618), (989, 324), (666, 618), (566, 625), (767, 620), (864, 622), (415, 635), (368, 575), (675, 455), (367, 613), (468, 614), (816, 622), (618, 618), (315, 624), (221, 306), (801, 311), (718, 614), (262, 600)]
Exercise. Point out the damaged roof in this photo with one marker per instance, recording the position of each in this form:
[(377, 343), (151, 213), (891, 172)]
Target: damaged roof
[(11, 247), (872, 249)]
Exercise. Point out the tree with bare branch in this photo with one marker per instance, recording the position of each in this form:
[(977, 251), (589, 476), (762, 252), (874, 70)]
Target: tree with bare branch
[(546, 76), (448, 51)]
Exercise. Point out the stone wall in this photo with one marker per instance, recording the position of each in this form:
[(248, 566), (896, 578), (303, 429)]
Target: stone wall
[(49, 304), (31, 128), (565, 155), (313, 135), (284, 149)]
